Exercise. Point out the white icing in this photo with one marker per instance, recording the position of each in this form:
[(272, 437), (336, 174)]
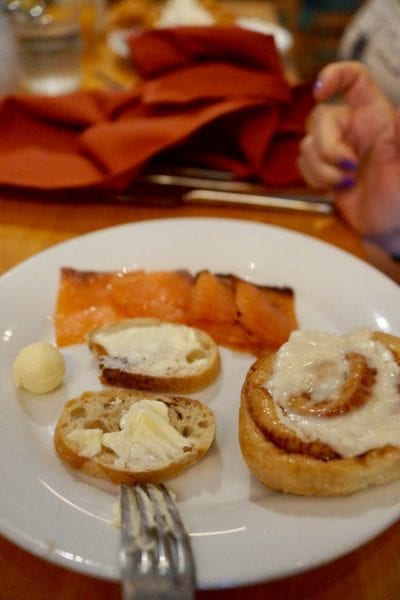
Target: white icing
[(314, 363)]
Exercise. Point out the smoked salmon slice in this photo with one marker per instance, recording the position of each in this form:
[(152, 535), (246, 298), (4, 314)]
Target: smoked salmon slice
[(211, 300), (84, 302), (265, 312), (213, 308), (237, 314), (163, 295)]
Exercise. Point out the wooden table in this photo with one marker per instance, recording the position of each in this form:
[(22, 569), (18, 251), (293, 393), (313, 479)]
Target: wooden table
[(29, 224)]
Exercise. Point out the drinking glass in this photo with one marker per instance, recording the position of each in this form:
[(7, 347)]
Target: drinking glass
[(49, 46)]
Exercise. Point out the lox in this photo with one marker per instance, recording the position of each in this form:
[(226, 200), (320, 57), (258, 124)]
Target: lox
[(238, 314)]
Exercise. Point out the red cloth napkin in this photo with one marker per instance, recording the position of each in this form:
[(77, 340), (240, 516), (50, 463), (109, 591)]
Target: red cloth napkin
[(211, 96)]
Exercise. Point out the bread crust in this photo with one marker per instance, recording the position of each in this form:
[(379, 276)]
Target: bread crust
[(302, 472), (103, 409), (179, 382)]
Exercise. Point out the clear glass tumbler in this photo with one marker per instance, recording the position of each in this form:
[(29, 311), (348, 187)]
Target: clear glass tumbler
[(49, 47)]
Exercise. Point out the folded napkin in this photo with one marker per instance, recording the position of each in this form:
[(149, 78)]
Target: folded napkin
[(209, 96)]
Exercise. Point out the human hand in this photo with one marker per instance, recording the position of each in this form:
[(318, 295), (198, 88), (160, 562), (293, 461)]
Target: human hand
[(353, 148)]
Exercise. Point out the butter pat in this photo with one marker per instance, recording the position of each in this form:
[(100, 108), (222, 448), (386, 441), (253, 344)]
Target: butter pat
[(154, 350), (88, 440), (146, 439), (39, 368)]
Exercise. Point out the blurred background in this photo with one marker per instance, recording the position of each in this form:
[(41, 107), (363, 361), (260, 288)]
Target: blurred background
[(309, 31), (317, 27)]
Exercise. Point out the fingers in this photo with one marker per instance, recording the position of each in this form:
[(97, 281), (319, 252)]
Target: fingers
[(323, 175), (328, 126), (339, 135), (325, 159), (317, 173), (351, 80)]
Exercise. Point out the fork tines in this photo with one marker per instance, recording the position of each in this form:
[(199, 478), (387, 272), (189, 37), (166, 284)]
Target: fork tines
[(156, 556)]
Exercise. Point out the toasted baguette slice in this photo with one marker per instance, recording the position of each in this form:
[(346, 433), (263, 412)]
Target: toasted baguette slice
[(103, 410), (155, 355)]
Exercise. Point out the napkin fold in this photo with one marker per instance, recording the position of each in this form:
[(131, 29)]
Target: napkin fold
[(207, 96)]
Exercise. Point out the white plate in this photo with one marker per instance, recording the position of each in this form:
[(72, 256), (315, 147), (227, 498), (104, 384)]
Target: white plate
[(283, 37), (117, 39), (242, 533)]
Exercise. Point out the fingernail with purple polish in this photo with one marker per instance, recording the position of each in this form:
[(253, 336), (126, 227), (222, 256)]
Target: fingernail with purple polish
[(345, 184), (348, 165), (318, 84)]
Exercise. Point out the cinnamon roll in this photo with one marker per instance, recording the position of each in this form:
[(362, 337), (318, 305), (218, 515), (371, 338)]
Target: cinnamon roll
[(321, 416)]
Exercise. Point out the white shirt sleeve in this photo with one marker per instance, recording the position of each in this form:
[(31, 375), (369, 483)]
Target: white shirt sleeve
[(373, 37)]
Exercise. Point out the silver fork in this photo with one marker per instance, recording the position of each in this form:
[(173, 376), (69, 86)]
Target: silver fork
[(156, 555)]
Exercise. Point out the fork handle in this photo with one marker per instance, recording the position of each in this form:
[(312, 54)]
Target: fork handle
[(161, 590)]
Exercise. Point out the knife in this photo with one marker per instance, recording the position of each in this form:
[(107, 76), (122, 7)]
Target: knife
[(202, 186), (242, 199)]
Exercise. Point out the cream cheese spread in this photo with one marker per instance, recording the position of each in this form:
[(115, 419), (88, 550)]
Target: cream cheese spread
[(315, 363), (154, 350), (146, 439)]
